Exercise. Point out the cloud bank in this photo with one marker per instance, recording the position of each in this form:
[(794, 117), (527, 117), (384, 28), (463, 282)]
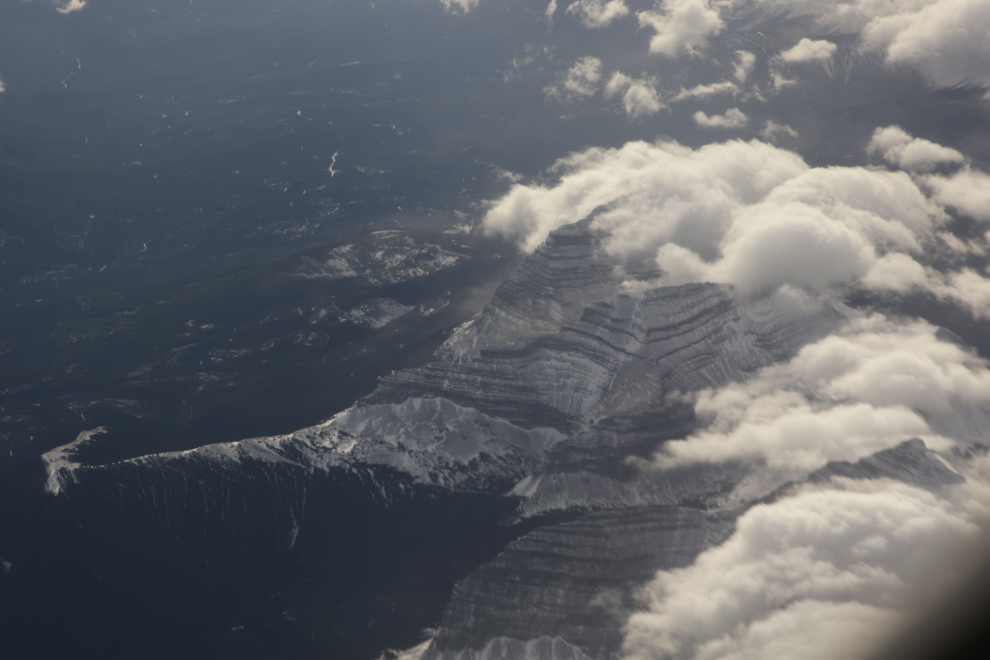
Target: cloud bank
[(825, 574), (949, 40), (867, 388), (825, 571), (758, 217), (829, 571)]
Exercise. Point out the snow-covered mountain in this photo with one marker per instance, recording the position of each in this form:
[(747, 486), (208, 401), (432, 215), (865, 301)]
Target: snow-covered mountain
[(561, 375), (543, 406)]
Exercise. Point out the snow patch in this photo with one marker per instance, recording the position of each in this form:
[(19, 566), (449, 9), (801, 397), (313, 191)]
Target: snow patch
[(60, 462)]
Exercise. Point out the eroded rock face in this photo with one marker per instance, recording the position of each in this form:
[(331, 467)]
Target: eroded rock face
[(560, 376), (565, 591), (533, 411), (550, 289), (911, 462), (572, 582)]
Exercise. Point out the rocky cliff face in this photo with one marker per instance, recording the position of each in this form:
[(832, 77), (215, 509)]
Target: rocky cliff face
[(564, 592), (551, 380), (550, 289), (534, 410), (574, 582)]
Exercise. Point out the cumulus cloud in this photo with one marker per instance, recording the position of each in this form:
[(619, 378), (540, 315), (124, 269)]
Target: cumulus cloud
[(965, 287), (968, 191), (946, 39), (757, 217), (779, 82), (898, 148), (700, 92), (2, 88), (551, 10), (899, 273), (773, 130), (867, 388), (682, 26), (653, 192), (827, 573), (581, 81), (641, 100), (597, 13), (69, 6), (808, 50), (639, 97), (733, 118), (745, 61), (450, 6)]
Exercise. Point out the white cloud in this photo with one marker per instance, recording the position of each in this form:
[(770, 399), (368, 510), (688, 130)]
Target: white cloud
[(808, 50), (617, 84), (744, 65), (733, 118), (966, 287), (949, 40), (597, 13), (581, 81), (827, 573), (682, 26), (757, 217), (897, 147), (68, 6), (896, 272), (551, 10), (865, 389), (639, 97), (779, 82), (899, 273), (641, 100), (806, 630), (968, 191), (771, 131), (657, 192), (706, 91), (451, 6), (2, 88)]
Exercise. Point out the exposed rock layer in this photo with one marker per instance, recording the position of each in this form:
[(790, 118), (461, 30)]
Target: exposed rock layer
[(573, 581)]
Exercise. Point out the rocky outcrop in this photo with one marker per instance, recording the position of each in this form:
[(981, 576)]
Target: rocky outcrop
[(565, 591), (911, 462), (565, 408), (573, 583), (542, 407), (549, 289)]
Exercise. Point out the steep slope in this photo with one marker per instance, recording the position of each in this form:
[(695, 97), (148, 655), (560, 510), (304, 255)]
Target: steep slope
[(573, 583), (533, 414), (564, 592)]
